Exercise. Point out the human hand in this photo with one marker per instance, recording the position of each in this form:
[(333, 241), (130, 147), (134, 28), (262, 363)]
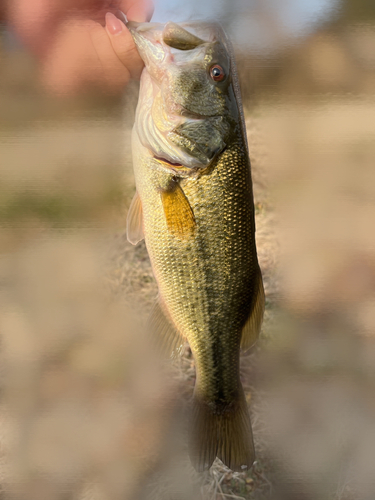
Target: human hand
[(80, 42)]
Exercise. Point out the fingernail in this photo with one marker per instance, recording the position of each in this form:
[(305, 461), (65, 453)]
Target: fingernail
[(113, 24)]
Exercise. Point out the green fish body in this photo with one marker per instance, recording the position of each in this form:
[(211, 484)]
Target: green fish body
[(194, 206)]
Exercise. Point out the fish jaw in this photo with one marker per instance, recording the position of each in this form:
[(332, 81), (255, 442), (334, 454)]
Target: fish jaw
[(148, 38), (155, 128), (155, 42)]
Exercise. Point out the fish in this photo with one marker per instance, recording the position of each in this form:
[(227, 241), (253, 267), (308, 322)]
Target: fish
[(194, 207)]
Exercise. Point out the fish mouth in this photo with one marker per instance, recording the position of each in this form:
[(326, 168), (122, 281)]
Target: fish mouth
[(170, 34)]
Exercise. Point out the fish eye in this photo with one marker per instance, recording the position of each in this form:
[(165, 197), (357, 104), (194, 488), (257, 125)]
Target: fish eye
[(217, 73)]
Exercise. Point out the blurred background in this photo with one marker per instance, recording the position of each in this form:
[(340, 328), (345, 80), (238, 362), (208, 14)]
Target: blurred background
[(87, 411)]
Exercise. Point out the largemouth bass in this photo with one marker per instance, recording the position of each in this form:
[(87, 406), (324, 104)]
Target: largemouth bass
[(194, 207)]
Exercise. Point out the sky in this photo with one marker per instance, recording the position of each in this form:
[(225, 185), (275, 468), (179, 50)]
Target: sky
[(259, 24)]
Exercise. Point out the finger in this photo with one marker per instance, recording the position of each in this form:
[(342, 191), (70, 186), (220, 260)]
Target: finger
[(138, 10), (123, 45), (114, 72)]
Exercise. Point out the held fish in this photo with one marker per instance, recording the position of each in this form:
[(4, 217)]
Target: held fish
[(194, 207)]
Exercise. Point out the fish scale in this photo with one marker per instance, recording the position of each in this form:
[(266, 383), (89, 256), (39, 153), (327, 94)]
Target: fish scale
[(199, 229), (207, 285)]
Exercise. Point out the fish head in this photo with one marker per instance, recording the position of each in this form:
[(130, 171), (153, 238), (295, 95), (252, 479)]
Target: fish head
[(187, 110)]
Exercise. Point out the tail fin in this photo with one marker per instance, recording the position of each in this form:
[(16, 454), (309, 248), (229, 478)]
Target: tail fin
[(225, 434)]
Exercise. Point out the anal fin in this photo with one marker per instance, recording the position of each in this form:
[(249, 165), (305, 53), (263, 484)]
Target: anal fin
[(178, 212), (134, 222), (251, 330), (168, 339)]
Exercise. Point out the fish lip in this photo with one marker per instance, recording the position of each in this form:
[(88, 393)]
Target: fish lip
[(138, 27), (147, 38)]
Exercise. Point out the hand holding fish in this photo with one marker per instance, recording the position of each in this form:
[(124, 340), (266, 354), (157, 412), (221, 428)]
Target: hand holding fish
[(80, 42)]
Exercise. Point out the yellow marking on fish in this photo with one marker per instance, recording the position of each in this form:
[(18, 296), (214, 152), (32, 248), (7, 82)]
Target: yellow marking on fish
[(178, 212)]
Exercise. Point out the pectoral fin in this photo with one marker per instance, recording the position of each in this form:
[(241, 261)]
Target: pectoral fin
[(134, 223), (178, 212), (250, 332), (168, 339)]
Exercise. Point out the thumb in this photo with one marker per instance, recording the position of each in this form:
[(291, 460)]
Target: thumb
[(123, 45)]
